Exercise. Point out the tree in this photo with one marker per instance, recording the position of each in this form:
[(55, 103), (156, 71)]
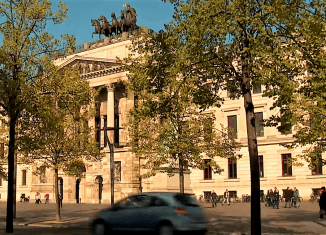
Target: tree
[(54, 129), (221, 45), (166, 126), (25, 43)]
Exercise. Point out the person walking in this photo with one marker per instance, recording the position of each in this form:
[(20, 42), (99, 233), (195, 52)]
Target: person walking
[(214, 199), (277, 197), (47, 196), (322, 203), (296, 197), (226, 197), (288, 196)]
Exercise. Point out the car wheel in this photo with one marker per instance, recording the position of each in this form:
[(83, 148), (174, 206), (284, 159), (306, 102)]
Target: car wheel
[(99, 229), (165, 230)]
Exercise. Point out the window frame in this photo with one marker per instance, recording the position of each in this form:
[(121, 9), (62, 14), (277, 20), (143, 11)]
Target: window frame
[(234, 120), (234, 174), (24, 177), (285, 158), (256, 89), (318, 168), (259, 124), (207, 169)]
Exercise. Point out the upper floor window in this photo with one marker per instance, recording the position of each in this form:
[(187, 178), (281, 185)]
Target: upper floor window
[(23, 177), (259, 124), (207, 170), (232, 168), (208, 129), (318, 168), (256, 89), (286, 167), (232, 123), (0, 181)]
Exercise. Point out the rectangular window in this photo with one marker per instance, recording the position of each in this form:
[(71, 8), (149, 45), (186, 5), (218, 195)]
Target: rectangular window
[(116, 131), (286, 168), (23, 177), (207, 170), (259, 124), (318, 168), (232, 123), (261, 165), (256, 89), (0, 181), (117, 172), (232, 168), (98, 129)]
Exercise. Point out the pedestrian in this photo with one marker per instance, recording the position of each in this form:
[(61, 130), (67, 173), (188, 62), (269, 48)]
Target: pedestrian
[(226, 197), (47, 196), (214, 198), (288, 196), (296, 197), (277, 197), (36, 198), (322, 203)]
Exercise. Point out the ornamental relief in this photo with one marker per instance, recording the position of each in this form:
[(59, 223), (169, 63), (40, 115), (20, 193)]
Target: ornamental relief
[(91, 66)]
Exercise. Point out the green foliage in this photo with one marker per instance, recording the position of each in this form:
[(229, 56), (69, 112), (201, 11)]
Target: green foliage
[(167, 125), (54, 126)]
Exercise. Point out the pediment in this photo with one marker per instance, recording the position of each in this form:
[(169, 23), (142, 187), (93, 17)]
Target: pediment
[(89, 66)]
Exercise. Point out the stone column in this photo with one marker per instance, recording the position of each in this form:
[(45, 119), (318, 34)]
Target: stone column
[(110, 111)]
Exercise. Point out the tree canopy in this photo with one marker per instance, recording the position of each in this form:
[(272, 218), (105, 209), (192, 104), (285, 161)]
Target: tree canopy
[(234, 46)]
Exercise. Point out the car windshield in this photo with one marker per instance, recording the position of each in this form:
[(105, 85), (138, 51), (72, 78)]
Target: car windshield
[(186, 199)]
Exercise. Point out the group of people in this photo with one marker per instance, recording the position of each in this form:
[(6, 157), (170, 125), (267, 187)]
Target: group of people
[(38, 198), (225, 199), (292, 198)]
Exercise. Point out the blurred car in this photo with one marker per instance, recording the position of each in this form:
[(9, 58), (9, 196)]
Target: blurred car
[(163, 213)]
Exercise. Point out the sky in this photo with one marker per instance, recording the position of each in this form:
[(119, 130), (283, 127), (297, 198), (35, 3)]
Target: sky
[(151, 13)]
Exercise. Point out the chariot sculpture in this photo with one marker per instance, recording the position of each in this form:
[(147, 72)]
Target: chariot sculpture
[(126, 22)]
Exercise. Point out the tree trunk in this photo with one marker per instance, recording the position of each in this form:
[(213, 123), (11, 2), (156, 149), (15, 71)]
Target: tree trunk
[(15, 189), (11, 165), (253, 155), (181, 176), (57, 199)]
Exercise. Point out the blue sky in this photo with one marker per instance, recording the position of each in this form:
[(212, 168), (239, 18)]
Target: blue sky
[(151, 13)]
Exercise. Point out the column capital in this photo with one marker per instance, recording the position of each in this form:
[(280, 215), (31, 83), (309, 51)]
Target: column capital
[(111, 87)]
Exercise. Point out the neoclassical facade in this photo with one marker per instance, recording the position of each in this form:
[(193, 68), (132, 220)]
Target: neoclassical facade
[(98, 65)]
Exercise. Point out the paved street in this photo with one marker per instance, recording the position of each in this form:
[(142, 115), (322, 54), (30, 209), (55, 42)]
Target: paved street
[(40, 219)]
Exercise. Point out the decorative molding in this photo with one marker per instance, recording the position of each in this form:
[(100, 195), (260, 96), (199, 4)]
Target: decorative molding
[(111, 87), (315, 176), (231, 180), (286, 177)]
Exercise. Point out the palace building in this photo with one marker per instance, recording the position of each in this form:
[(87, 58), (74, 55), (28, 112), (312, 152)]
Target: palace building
[(97, 62)]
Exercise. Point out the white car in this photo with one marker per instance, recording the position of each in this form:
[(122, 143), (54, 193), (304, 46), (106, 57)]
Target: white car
[(164, 213)]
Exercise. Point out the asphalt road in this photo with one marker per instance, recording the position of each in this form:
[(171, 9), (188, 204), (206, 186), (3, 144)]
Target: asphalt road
[(222, 219)]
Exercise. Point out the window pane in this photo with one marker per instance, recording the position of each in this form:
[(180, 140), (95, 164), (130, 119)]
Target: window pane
[(232, 169), (232, 123), (259, 124), (286, 168), (257, 89), (207, 170), (24, 177)]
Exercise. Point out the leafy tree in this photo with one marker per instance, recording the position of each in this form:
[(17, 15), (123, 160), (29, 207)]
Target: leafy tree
[(223, 45), (54, 129), (166, 126), (25, 48)]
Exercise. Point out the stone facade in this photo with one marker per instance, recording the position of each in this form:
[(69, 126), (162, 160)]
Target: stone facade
[(98, 65)]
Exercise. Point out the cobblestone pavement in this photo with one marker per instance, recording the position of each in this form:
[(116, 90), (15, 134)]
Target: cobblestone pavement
[(233, 219)]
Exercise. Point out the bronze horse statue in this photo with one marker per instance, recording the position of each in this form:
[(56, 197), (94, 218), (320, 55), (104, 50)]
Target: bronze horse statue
[(98, 29), (116, 26), (128, 22), (106, 26)]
